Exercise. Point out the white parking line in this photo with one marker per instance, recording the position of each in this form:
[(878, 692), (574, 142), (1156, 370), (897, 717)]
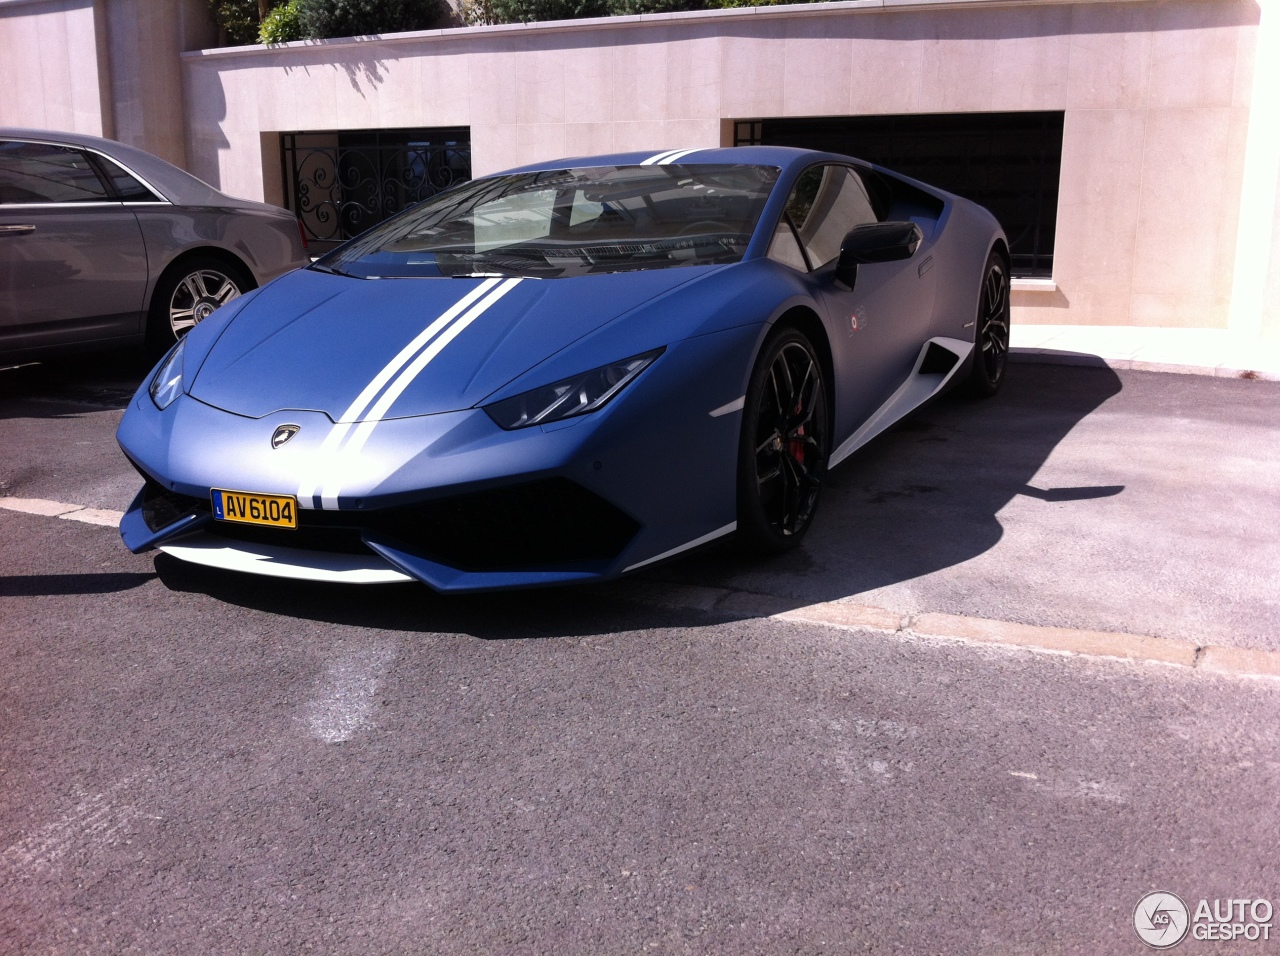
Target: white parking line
[(91, 824), (102, 516), (343, 702), (60, 509), (350, 684)]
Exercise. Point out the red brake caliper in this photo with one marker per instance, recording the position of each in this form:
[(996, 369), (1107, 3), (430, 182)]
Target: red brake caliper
[(795, 446)]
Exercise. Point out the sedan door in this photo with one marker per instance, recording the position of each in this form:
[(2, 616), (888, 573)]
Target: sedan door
[(73, 267)]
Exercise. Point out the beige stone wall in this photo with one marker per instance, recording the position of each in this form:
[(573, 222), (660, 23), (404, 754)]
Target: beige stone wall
[(1156, 97), (1158, 141), (106, 67), (50, 68), (145, 39)]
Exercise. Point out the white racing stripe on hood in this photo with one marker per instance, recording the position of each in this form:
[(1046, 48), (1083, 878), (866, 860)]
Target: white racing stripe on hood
[(659, 157), (677, 156), (345, 421), (334, 481)]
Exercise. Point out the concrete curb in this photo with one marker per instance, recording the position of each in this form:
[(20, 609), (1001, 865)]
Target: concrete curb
[(1111, 645), (1027, 355), (846, 615), (1132, 647)]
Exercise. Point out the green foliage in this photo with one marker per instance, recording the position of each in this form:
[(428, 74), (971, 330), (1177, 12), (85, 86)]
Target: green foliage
[(238, 17), (627, 8), (281, 25), (528, 11), (321, 19), (476, 13), (726, 4)]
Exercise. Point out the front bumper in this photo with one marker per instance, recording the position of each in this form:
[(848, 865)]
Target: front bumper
[(547, 531), (451, 499)]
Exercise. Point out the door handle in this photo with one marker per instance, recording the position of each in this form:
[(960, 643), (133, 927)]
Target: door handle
[(16, 230)]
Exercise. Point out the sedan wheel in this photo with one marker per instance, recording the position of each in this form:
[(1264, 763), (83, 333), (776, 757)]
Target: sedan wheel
[(785, 441), (189, 295)]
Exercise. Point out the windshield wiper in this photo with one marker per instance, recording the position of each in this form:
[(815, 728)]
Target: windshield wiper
[(332, 271)]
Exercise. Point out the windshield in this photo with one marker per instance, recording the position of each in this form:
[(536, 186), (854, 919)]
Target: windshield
[(569, 222)]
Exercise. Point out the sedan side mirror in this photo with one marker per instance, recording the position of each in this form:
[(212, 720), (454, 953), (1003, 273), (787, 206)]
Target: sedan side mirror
[(876, 242)]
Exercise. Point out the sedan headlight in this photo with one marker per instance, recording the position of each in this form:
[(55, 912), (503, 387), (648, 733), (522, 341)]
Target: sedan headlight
[(167, 384), (573, 396)]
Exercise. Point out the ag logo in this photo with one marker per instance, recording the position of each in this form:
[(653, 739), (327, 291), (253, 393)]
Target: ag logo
[(283, 434), (1161, 920)]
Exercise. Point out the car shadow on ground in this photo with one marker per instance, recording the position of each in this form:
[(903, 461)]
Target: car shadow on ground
[(45, 585), (922, 498), (94, 381), (925, 496)]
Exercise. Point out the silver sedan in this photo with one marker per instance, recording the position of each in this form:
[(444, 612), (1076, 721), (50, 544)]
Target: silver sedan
[(102, 244)]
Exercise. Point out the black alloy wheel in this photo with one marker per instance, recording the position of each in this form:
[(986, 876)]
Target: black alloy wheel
[(782, 454), (991, 335)]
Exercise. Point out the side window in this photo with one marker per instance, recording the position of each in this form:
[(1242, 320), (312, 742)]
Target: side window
[(785, 249), (127, 188), (35, 172), (826, 203)]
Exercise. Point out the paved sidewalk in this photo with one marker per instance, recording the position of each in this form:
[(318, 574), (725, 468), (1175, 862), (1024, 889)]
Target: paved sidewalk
[(1214, 352)]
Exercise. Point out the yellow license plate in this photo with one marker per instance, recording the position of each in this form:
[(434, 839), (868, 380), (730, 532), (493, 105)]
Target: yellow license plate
[(275, 511)]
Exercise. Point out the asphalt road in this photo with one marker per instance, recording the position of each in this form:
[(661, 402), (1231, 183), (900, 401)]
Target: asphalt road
[(196, 762), (1079, 497)]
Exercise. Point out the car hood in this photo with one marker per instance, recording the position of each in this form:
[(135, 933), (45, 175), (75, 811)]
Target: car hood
[(361, 349)]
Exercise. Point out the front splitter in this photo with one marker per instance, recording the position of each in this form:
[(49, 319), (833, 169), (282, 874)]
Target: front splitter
[(281, 562)]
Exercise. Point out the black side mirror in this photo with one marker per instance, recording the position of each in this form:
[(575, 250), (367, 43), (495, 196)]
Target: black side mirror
[(876, 242)]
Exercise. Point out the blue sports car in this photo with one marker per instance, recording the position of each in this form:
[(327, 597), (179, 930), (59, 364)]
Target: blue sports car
[(568, 371)]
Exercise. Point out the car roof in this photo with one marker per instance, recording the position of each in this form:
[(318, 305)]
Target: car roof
[(174, 184), (784, 157)]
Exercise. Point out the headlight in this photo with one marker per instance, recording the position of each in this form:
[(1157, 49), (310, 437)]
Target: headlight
[(573, 396), (167, 384)]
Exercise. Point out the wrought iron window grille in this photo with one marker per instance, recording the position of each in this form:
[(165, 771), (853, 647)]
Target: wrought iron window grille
[(341, 183)]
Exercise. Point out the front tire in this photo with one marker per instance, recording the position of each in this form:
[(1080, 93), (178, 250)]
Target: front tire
[(188, 294), (991, 333), (785, 442)]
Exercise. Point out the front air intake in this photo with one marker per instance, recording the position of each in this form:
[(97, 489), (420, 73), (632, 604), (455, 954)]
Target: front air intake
[(546, 523)]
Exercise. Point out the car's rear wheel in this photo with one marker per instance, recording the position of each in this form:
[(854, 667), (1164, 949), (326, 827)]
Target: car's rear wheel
[(188, 294), (991, 333), (782, 453)]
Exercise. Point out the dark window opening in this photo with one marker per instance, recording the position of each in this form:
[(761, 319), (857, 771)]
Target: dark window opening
[(341, 183), (1008, 162), (41, 173)]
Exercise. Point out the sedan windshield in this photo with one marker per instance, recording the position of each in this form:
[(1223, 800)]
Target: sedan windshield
[(568, 222)]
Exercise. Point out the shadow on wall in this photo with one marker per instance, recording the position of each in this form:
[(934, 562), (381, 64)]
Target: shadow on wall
[(206, 115), (920, 499), (364, 70)]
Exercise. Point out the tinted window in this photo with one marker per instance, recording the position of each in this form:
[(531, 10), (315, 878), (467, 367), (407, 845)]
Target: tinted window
[(570, 222), (126, 187), (1008, 162), (35, 172), (785, 249), (826, 203)]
